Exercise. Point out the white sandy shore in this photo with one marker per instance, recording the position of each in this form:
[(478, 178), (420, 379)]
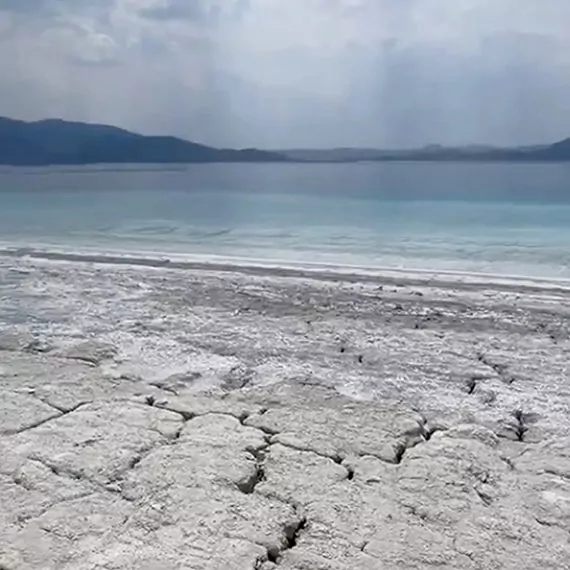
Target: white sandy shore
[(276, 267), (299, 418)]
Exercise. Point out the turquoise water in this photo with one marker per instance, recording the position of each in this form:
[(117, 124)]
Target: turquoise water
[(487, 218)]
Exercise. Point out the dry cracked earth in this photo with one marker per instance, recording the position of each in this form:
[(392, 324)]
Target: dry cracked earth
[(459, 459)]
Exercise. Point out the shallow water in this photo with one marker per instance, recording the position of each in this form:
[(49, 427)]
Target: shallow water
[(489, 218)]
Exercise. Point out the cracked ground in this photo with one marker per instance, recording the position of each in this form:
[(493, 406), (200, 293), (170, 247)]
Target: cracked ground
[(190, 419)]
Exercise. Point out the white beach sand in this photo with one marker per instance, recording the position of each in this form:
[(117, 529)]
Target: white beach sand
[(186, 415)]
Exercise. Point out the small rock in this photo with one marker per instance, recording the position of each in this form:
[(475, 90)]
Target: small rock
[(180, 380), (237, 378), (129, 377)]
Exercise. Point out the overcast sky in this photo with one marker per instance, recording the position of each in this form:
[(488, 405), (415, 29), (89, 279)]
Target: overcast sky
[(294, 73)]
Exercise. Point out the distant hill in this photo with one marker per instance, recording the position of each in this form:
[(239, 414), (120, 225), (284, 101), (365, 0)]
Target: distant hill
[(558, 152), (57, 142), (53, 142)]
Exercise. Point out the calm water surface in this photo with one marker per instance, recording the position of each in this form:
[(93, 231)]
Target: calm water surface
[(491, 218)]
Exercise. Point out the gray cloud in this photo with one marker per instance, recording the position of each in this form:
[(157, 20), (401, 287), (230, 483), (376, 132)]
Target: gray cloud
[(296, 73), (30, 7), (179, 10)]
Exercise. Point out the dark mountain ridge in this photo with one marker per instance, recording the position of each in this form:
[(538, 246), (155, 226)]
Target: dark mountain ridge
[(58, 142), (53, 142)]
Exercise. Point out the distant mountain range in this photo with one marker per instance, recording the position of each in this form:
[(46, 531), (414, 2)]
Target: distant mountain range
[(558, 152), (53, 141), (57, 142)]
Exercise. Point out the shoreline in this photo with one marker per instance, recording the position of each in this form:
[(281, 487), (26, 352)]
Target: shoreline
[(284, 268), (352, 331)]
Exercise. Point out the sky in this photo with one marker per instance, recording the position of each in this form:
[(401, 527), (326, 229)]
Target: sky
[(294, 73)]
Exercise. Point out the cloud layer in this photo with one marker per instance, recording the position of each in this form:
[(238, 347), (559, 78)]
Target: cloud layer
[(296, 73)]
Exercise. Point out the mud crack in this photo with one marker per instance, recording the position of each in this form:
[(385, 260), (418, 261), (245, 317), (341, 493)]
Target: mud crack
[(62, 412), (258, 476), (292, 533), (499, 368)]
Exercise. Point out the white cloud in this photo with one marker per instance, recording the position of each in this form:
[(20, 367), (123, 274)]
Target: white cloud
[(295, 72)]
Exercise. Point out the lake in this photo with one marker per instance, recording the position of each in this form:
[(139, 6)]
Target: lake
[(500, 219)]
